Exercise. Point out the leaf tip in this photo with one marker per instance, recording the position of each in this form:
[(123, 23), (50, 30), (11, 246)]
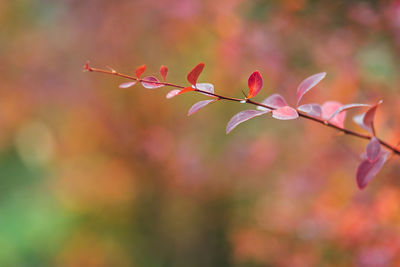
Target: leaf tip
[(194, 74), (307, 84), (126, 85), (139, 71), (164, 72), (172, 93), (86, 67)]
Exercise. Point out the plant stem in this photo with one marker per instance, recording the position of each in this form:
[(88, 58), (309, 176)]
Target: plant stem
[(394, 149)]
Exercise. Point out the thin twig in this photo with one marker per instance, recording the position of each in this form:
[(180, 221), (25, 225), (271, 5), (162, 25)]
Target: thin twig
[(394, 149)]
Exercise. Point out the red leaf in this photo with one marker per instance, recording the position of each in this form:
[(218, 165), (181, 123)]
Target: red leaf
[(172, 93), (255, 84), (151, 82), (184, 90), (164, 71), (307, 84), (329, 108), (285, 113), (199, 105), (87, 67), (274, 101), (369, 169), (346, 107), (311, 109), (194, 73), (140, 70), (176, 92), (127, 84), (242, 117), (373, 149)]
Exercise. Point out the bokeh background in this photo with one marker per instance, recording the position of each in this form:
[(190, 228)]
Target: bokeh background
[(93, 175)]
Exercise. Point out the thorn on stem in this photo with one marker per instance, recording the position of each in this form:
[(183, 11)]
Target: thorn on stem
[(111, 69)]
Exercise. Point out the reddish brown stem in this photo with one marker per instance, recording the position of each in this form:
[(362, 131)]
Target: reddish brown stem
[(248, 101)]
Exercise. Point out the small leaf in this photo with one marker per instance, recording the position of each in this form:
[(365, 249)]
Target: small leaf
[(127, 84), (255, 83), (199, 105), (329, 108), (274, 101), (176, 92), (346, 107), (358, 119), (373, 149), (365, 120), (151, 82), (184, 90), (206, 87), (163, 72), (242, 117), (314, 110), (369, 169), (87, 67), (172, 93), (307, 84), (370, 116), (139, 71), (285, 113), (195, 73)]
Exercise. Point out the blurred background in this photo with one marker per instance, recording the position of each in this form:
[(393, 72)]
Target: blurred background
[(94, 175)]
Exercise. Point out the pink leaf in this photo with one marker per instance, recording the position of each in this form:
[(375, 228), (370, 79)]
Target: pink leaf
[(358, 119), (369, 169), (314, 110), (255, 83), (241, 117), (365, 120), (285, 113), (151, 82), (329, 108), (194, 74), (206, 87), (176, 92), (163, 72), (373, 149), (346, 107), (127, 84), (274, 101), (172, 93), (370, 116), (307, 84), (139, 71), (199, 105)]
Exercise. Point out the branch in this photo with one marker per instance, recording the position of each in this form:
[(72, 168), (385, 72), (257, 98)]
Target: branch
[(251, 102), (331, 114)]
